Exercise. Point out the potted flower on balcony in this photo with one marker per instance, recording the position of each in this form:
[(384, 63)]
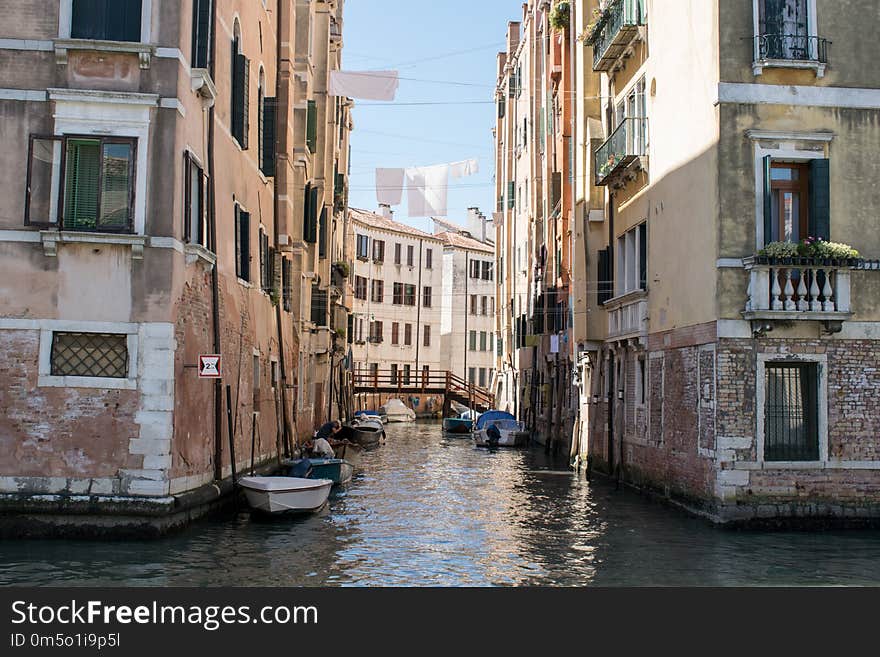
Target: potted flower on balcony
[(341, 269), (559, 16), (776, 253)]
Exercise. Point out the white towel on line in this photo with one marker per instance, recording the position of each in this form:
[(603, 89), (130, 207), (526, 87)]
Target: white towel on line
[(365, 85), (389, 186)]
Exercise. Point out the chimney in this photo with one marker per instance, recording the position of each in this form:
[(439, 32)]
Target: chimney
[(386, 211)]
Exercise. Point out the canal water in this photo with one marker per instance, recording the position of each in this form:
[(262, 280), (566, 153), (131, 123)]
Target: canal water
[(430, 511)]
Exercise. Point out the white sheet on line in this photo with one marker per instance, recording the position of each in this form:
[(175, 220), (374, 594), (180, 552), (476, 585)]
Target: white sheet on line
[(389, 186), (365, 85), (464, 168), (427, 189)]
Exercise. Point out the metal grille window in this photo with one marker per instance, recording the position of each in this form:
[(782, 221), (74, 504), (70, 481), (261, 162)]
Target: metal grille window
[(89, 354), (791, 412)]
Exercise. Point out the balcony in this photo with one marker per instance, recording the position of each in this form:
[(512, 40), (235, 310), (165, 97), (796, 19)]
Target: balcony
[(791, 289), (617, 27), (790, 51), (628, 316), (626, 145)]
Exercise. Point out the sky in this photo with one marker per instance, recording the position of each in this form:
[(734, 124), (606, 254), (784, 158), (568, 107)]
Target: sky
[(448, 41)]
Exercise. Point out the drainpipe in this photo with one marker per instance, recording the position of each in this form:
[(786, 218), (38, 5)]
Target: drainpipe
[(419, 304), (467, 273), (612, 385), (215, 282), (279, 126)]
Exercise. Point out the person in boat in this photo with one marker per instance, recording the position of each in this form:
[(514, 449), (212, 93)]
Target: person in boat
[(493, 435), (322, 444)]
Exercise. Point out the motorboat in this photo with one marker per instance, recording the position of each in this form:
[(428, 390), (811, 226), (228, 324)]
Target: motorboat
[(395, 410), (513, 433), (275, 495), (458, 425), (339, 471), (368, 415), (367, 433), (350, 452)]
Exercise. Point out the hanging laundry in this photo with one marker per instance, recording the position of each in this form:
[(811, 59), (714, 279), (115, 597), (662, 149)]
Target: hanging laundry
[(389, 186), (427, 189), (464, 168), (365, 85)]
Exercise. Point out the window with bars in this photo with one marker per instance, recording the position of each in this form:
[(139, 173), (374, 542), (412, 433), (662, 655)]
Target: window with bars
[(791, 412), (103, 355), (106, 20)]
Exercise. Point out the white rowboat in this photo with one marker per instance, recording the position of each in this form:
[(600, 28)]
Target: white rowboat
[(285, 494)]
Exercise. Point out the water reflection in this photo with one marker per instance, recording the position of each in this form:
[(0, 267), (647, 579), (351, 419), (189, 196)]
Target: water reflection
[(430, 511)]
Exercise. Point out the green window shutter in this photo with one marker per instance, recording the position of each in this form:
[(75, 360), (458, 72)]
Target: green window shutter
[(820, 199), (244, 240), (312, 126), (502, 108), (267, 166), (201, 33), (310, 232), (245, 101), (768, 205), (81, 184), (116, 186), (239, 95), (511, 194), (322, 227)]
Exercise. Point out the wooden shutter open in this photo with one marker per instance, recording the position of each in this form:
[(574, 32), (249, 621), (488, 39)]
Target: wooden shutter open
[(820, 199), (312, 126), (267, 166), (768, 203)]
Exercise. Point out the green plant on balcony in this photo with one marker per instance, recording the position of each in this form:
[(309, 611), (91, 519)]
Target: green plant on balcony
[(810, 248), (559, 16), (780, 250), (832, 250), (608, 166), (598, 20), (341, 269)]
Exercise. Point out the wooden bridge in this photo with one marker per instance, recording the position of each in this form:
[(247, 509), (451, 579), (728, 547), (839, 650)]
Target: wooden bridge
[(452, 387)]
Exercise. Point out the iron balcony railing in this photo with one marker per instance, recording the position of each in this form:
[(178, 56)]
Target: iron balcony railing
[(791, 47), (627, 143), (614, 31)]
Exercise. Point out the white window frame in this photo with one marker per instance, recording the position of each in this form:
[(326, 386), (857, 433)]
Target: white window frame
[(784, 151), (821, 361), (45, 378), (758, 65)]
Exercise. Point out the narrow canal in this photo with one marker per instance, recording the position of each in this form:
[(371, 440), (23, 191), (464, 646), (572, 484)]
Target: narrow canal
[(427, 511)]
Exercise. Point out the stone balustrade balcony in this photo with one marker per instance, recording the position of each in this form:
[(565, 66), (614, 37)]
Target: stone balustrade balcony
[(628, 316)]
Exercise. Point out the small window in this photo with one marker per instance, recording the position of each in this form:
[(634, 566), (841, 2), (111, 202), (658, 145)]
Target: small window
[(409, 295), (483, 343), (791, 413), (360, 288), (319, 306), (376, 332), (482, 377), (240, 94), (363, 247), (286, 284), (473, 304), (407, 335), (101, 355), (486, 270), (429, 258), (397, 299), (641, 381), (378, 292), (407, 371), (410, 255), (394, 373), (242, 244), (397, 250), (473, 341), (472, 375), (378, 251), (484, 305), (106, 20), (312, 126), (426, 296), (395, 333), (427, 335), (98, 184)]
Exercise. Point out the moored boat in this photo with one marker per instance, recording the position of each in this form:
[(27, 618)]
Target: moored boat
[(350, 452), (512, 433), (367, 435), (395, 410), (339, 471), (276, 495), (458, 425)]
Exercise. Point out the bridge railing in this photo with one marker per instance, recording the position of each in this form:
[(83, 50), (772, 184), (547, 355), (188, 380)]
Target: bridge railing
[(426, 381)]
